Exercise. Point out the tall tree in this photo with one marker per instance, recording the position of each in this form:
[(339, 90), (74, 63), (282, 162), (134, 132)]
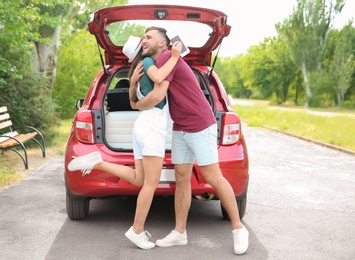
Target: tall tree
[(307, 31), (342, 62), (71, 15)]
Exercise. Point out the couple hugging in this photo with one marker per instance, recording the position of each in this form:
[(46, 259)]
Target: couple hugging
[(162, 85)]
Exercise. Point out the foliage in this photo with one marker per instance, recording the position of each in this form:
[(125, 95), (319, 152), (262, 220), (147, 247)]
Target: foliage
[(306, 31), (234, 85), (308, 61), (29, 31), (22, 90), (341, 65), (77, 68)]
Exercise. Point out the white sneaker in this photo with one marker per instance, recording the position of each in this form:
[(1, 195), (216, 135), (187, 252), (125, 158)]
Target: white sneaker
[(175, 238), (241, 240), (140, 240), (85, 163)]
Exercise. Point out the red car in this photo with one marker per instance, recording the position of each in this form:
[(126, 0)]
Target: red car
[(105, 119)]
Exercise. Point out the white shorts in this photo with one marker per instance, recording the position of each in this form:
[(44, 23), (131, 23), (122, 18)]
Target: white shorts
[(150, 131)]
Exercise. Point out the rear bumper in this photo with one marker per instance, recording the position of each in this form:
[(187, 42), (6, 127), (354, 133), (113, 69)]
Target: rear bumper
[(233, 164), (102, 184)]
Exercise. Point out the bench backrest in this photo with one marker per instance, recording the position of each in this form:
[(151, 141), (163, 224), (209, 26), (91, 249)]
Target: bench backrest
[(5, 122)]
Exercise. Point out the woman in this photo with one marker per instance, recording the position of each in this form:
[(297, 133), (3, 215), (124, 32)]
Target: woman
[(149, 136)]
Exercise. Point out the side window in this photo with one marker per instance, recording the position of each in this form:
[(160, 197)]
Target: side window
[(117, 97), (203, 86)]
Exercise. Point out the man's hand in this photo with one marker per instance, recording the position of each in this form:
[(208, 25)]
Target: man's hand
[(176, 49)]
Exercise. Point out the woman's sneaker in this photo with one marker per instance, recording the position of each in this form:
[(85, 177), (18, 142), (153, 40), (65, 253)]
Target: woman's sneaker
[(141, 240), (173, 239), (85, 163), (241, 240)]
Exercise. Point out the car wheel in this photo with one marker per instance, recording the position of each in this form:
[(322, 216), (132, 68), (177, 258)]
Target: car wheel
[(77, 207), (242, 206)]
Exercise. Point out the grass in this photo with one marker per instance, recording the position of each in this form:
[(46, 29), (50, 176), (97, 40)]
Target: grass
[(332, 127), (12, 169)]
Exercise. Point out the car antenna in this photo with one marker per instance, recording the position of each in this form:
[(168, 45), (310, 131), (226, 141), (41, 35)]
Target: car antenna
[(215, 59)]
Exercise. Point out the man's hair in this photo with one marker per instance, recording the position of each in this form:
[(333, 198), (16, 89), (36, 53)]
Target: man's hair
[(161, 31)]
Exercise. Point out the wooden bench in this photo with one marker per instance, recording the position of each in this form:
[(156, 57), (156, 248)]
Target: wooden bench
[(11, 139)]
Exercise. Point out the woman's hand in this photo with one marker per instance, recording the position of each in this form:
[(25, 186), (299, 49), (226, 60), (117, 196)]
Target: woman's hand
[(137, 74), (176, 49)]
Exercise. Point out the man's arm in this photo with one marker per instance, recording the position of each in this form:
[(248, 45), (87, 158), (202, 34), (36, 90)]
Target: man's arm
[(154, 97), (158, 75)]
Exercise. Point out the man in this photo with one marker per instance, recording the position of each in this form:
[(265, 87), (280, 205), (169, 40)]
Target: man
[(194, 138)]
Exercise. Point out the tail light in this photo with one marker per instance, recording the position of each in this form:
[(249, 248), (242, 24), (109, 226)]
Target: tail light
[(83, 127), (230, 128)]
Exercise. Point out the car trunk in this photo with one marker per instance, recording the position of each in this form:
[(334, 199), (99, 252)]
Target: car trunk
[(119, 117)]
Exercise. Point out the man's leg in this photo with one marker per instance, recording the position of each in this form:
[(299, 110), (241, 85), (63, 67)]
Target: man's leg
[(214, 177), (182, 195)]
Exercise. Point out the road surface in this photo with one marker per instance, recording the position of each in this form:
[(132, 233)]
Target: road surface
[(300, 206)]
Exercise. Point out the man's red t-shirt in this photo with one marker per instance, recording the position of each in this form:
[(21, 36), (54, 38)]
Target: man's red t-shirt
[(189, 108)]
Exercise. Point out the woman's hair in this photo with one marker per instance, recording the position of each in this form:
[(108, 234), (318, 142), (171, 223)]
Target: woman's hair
[(135, 62)]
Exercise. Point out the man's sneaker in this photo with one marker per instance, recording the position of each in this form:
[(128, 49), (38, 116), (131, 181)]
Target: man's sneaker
[(140, 240), (173, 239), (85, 163), (241, 240)]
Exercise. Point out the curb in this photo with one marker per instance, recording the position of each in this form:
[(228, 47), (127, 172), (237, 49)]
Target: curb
[(331, 146)]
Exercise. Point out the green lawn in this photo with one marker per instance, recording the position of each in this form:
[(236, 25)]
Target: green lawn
[(333, 127)]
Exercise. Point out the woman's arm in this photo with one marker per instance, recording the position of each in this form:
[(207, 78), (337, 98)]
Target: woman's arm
[(137, 74), (158, 75)]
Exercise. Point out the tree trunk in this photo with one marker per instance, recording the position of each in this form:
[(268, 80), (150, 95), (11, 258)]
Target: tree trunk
[(306, 83), (45, 57)]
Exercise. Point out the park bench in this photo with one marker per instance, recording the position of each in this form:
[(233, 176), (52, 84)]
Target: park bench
[(12, 139)]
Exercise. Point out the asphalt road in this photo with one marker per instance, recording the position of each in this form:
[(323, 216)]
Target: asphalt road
[(300, 206)]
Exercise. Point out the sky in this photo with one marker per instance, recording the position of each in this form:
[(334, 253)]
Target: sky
[(251, 20)]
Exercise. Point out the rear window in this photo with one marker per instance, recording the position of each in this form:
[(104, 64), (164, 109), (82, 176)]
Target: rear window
[(117, 97), (193, 34)]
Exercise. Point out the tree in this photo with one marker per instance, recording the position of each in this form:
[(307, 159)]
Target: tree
[(21, 89), (307, 31), (342, 62), (77, 68), (228, 71)]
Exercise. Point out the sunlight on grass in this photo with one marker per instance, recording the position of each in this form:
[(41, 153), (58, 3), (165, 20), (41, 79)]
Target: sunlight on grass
[(64, 131), (329, 127), (8, 176)]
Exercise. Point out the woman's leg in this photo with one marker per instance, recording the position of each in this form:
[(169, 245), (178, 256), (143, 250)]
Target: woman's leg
[(133, 176), (152, 166)]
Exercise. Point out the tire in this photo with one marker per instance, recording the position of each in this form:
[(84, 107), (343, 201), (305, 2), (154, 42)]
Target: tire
[(77, 207), (242, 206)]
